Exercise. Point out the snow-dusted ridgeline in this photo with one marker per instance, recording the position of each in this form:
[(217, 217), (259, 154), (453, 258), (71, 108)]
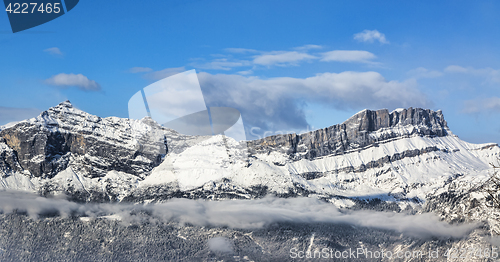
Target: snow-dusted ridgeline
[(404, 154)]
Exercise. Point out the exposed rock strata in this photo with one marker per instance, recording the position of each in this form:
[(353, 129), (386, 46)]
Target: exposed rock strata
[(63, 136), (367, 128)]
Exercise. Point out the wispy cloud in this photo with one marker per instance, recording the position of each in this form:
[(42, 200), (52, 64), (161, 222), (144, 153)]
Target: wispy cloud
[(491, 75), (490, 104), (157, 75), (240, 214), (73, 80), (308, 47), (456, 69), (255, 59), (137, 69), (348, 56), (54, 51), (281, 58), (241, 50), (280, 100), (244, 73), (220, 244), (422, 72), (370, 36), (222, 64)]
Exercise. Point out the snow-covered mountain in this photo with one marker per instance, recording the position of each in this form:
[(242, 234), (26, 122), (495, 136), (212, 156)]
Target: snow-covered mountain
[(391, 181), (401, 155)]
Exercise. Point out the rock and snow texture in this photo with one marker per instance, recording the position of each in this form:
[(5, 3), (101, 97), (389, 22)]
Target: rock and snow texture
[(405, 154), (64, 136), (365, 129), (408, 155)]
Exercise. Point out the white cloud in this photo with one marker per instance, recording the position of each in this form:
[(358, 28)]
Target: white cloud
[(240, 214), (348, 56), (491, 75), (422, 72), (490, 104), (137, 69), (277, 103), (157, 75), (370, 36), (54, 51), (281, 58), (308, 47), (223, 64), (240, 50), (76, 80), (220, 244), (244, 73), (12, 114), (455, 69)]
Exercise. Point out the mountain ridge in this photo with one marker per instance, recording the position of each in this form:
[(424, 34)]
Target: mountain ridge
[(355, 133), (44, 144), (403, 154)]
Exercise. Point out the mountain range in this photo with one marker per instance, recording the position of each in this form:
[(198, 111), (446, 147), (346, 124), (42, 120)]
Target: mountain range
[(399, 155), (407, 165)]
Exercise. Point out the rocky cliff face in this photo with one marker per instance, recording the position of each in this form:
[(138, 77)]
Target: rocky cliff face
[(65, 136), (404, 153), (405, 161), (366, 128)]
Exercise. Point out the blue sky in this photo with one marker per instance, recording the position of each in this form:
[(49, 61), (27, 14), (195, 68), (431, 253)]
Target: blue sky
[(286, 65)]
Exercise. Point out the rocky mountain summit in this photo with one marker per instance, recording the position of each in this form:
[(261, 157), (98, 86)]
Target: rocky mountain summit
[(64, 136), (402, 155), (397, 181), (366, 128)]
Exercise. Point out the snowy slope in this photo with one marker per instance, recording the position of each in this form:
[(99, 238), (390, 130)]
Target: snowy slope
[(407, 177), (64, 136), (402, 155), (407, 157)]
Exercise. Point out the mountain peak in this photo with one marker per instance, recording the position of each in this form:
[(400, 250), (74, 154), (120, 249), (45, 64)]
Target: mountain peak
[(89, 158), (373, 120), (65, 111), (66, 104), (364, 129), (64, 136)]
